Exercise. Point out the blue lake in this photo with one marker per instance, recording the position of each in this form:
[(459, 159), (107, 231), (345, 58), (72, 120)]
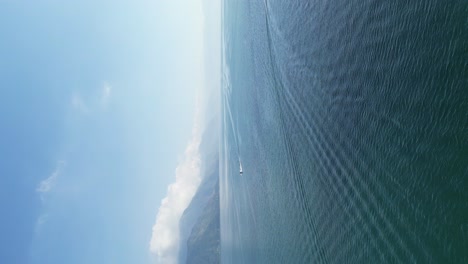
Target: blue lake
[(350, 120)]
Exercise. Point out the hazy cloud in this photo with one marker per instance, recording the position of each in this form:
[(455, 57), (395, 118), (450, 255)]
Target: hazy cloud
[(92, 102), (78, 103), (46, 185), (105, 94), (40, 222)]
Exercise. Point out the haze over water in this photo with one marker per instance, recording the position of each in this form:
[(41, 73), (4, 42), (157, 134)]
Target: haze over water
[(350, 119)]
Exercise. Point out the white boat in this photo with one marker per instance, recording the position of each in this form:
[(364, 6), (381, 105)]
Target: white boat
[(240, 171)]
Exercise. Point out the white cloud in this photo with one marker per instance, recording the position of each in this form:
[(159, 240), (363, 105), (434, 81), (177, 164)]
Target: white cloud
[(46, 185), (165, 239)]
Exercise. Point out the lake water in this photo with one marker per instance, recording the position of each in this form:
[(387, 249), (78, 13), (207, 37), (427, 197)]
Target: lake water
[(350, 119)]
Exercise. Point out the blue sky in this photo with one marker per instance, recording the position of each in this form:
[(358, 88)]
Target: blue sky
[(97, 105)]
